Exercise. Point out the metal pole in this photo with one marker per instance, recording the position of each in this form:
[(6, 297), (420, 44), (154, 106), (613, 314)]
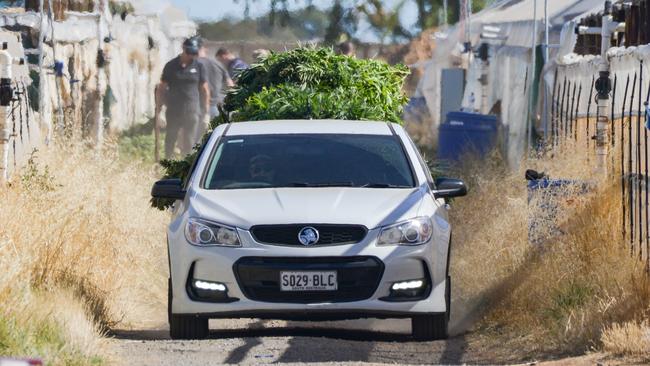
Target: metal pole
[(603, 84), (533, 70), (629, 167), (588, 131), (638, 159), (612, 128), (647, 193), (60, 120), (444, 11), (561, 120), (571, 108), (6, 79), (575, 115), (100, 77), (603, 87), (554, 107), (546, 59), (623, 196), (42, 75), (469, 21), (567, 113), (612, 117)]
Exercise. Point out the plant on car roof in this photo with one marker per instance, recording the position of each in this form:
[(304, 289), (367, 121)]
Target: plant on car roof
[(307, 83)]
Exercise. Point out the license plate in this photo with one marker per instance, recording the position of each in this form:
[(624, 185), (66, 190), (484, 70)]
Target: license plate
[(308, 281)]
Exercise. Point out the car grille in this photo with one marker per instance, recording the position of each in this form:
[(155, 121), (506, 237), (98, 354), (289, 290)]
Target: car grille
[(328, 234), (259, 278)]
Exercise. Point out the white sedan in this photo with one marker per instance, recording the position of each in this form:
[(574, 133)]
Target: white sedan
[(309, 220)]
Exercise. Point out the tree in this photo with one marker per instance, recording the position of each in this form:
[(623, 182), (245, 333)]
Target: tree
[(12, 3), (279, 10), (304, 24), (428, 11), (342, 24), (386, 23), (344, 15)]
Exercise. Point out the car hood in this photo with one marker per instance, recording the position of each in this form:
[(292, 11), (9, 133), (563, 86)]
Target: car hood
[(244, 208)]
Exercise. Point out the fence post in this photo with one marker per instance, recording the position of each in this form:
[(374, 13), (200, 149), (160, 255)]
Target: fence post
[(603, 84)]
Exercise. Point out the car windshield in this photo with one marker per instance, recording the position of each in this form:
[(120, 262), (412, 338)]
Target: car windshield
[(308, 160)]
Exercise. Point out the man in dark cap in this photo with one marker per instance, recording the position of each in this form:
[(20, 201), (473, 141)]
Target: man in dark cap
[(184, 89)]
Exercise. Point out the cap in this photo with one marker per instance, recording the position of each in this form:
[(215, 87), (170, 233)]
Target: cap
[(192, 45)]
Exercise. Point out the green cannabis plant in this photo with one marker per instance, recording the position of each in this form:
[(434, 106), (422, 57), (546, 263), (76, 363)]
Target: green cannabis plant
[(306, 83)]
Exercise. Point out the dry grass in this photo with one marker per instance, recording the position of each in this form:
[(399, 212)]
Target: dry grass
[(81, 251), (556, 297), (627, 339)]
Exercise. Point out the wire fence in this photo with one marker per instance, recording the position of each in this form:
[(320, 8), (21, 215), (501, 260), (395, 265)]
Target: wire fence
[(628, 144)]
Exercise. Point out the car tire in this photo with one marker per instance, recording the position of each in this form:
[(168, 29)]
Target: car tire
[(185, 326), (433, 327), (430, 327)]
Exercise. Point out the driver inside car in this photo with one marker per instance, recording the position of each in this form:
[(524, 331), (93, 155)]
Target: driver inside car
[(261, 169)]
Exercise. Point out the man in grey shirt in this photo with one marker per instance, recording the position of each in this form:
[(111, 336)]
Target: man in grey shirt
[(218, 80)]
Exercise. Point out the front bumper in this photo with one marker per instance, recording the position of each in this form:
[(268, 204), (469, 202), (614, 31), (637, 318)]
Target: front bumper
[(218, 264)]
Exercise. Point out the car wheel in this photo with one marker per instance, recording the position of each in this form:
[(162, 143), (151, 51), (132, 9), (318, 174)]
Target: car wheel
[(432, 327), (184, 326), (429, 327)]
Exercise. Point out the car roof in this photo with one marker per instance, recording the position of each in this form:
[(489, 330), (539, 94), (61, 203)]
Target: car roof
[(321, 126)]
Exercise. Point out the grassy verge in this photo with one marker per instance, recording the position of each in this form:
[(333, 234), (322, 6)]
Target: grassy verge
[(567, 294), (137, 143), (81, 252), (43, 330)]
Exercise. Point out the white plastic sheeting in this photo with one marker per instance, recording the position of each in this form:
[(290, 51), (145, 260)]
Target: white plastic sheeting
[(133, 68), (624, 62), (509, 63), (25, 130)]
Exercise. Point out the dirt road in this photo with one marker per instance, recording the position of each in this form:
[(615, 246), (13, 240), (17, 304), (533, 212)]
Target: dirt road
[(255, 342)]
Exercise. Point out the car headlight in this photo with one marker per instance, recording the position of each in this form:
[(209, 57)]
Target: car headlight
[(416, 231), (205, 233)]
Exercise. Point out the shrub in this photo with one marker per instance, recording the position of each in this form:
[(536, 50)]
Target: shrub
[(307, 83)]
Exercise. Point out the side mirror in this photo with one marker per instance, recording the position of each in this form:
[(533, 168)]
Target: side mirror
[(449, 187), (168, 188)]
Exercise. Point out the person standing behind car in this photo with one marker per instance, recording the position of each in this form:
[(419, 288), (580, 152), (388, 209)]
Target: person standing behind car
[(218, 80), (347, 49), (234, 64), (184, 89)]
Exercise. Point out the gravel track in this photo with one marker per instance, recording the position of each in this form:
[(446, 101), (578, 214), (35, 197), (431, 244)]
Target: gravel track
[(258, 341)]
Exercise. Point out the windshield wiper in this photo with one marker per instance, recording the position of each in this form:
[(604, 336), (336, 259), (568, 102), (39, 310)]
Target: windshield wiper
[(320, 185), (383, 185)]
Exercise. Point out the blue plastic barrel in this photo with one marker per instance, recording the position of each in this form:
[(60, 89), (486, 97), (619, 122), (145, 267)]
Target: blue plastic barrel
[(466, 133)]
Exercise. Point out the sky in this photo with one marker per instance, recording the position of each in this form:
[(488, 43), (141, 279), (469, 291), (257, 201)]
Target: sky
[(218, 9)]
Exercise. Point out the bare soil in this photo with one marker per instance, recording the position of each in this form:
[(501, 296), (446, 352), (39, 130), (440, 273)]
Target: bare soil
[(348, 342)]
